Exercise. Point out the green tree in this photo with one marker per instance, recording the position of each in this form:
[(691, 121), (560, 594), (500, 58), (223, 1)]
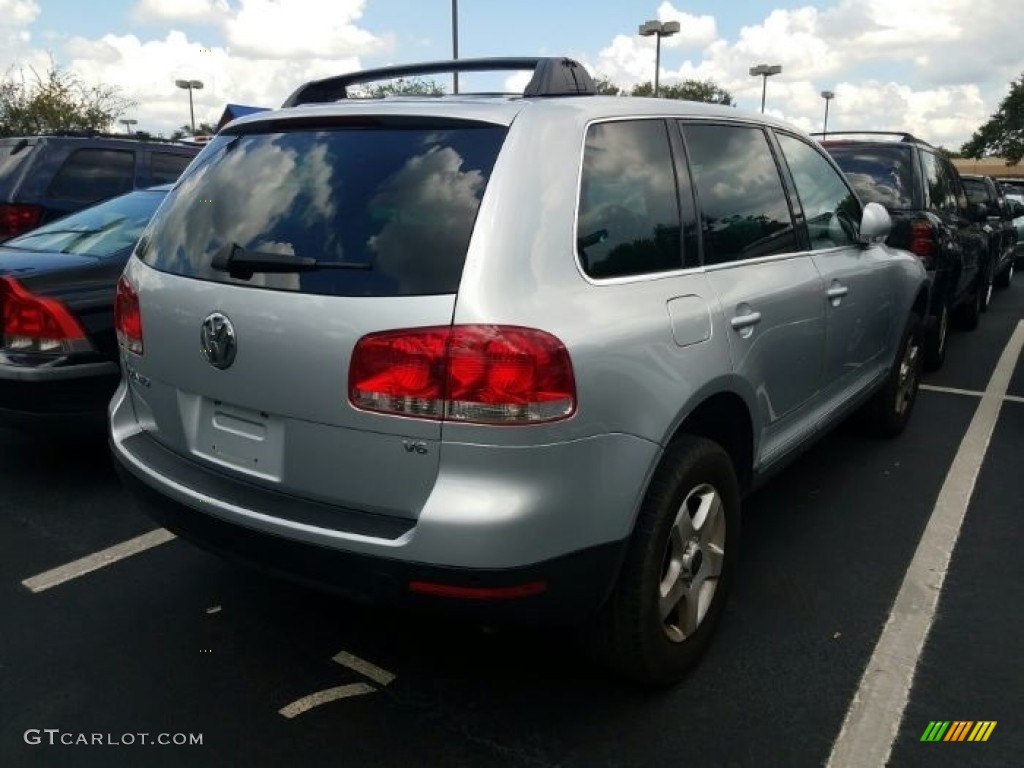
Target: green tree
[(688, 90), (1003, 134), (402, 86), (203, 129), (606, 87), (57, 100)]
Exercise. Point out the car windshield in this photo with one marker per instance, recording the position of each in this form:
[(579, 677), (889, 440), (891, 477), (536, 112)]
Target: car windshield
[(879, 174), (100, 231)]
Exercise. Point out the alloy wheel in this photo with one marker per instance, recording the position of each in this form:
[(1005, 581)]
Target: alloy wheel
[(692, 564)]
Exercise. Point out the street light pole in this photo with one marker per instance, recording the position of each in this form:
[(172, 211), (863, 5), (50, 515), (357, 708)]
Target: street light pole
[(660, 30), (455, 43), (190, 85), (827, 96), (128, 123), (765, 71)]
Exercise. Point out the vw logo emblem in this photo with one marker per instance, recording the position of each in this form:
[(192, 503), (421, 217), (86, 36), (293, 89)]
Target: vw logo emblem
[(217, 337)]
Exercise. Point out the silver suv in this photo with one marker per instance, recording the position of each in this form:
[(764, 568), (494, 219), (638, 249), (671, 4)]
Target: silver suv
[(519, 356)]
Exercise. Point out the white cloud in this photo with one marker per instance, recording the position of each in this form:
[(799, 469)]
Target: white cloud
[(868, 51), (693, 30), (282, 28), (191, 11)]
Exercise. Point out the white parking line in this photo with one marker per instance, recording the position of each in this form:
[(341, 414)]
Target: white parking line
[(307, 703), (951, 390), (873, 719), (365, 668), (98, 560)]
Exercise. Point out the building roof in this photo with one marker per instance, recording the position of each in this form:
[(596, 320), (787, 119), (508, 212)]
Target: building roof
[(231, 111)]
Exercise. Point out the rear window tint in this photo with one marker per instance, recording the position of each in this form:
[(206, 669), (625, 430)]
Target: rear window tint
[(165, 168), (91, 175), (401, 199), (977, 192), (878, 174)]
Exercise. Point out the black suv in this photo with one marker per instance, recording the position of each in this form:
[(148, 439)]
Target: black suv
[(985, 191), (45, 177), (931, 216)]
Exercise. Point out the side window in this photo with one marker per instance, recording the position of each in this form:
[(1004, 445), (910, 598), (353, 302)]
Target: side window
[(744, 210), (956, 187), (941, 192), (91, 175), (628, 217), (831, 209), (165, 168)]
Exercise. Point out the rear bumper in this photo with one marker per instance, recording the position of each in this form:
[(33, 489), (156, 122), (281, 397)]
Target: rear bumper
[(75, 397), (560, 591)]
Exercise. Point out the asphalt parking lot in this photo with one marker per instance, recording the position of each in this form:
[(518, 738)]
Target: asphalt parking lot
[(173, 642)]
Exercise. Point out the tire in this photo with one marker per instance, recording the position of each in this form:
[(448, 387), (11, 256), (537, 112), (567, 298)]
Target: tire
[(667, 602), (1005, 277), (889, 409), (937, 340)]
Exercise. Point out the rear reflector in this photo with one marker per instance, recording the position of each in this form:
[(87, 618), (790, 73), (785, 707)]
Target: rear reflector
[(16, 219), (128, 317), (33, 323), (478, 593), (488, 374)]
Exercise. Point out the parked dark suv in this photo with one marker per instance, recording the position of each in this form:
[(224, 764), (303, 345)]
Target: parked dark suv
[(985, 191), (45, 177), (931, 217)]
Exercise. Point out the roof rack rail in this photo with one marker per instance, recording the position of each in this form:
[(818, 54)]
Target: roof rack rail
[(903, 135), (552, 76)]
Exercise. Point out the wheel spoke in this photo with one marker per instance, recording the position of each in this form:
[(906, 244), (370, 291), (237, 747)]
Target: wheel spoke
[(690, 612), (670, 598), (714, 556)]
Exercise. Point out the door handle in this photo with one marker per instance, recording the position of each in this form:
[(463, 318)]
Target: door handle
[(745, 321), (837, 291)]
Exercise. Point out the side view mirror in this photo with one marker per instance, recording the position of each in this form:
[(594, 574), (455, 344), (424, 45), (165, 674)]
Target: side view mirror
[(875, 224)]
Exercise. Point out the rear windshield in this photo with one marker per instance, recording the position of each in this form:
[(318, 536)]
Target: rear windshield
[(399, 200), (977, 192), (879, 174)]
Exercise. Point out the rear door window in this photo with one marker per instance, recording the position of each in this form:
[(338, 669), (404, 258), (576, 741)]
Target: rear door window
[(942, 194), (878, 174), (165, 167), (744, 209), (90, 175), (628, 217), (401, 201)]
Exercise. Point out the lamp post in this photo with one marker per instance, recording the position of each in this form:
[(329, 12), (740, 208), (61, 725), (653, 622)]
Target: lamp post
[(455, 43), (660, 29), (190, 85), (765, 71), (827, 96), (128, 123)]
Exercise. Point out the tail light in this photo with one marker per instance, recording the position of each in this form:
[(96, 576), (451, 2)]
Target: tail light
[(922, 242), (16, 218), (128, 317), (33, 323), (488, 374)]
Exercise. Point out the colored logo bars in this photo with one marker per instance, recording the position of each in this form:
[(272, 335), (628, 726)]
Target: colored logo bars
[(958, 730)]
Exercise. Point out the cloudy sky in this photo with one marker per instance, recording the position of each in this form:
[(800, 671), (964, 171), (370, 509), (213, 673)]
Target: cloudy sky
[(935, 67)]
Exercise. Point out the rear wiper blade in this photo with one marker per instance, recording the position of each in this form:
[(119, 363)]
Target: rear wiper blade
[(237, 261)]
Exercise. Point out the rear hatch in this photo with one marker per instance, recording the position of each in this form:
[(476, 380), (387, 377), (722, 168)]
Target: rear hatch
[(283, 245)]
